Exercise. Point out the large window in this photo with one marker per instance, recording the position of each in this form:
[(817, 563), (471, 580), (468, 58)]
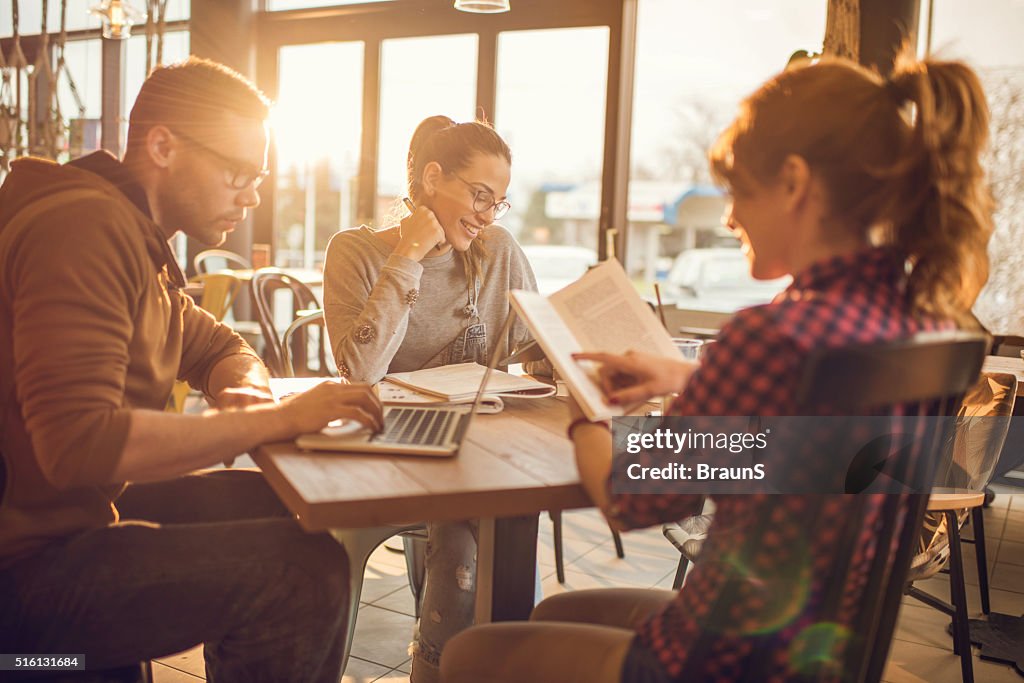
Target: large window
[(317, 127), (985, 34), (695, 61), (84, 63), (552, 116), (420, 77), (539, 73)]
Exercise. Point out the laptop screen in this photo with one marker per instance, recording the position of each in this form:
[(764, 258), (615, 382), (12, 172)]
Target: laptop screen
[(493, 362)]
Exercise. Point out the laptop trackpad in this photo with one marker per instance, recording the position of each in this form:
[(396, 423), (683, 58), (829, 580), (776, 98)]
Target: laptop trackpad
[(346, 429)]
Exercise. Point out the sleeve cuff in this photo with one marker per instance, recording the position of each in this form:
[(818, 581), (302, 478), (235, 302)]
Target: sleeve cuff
[(404, 265)]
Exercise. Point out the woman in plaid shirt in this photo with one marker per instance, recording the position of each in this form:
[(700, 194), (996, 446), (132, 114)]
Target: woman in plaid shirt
[(883, 222)]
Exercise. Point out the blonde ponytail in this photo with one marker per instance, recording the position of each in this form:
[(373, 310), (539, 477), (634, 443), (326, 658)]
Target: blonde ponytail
[(946, 232), (909, 179)]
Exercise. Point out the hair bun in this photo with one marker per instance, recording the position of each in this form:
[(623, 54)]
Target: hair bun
[(429, 127), (424, 132)]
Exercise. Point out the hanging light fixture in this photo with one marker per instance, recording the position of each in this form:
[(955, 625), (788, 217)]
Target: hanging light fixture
[(483, 6), (118, 17)]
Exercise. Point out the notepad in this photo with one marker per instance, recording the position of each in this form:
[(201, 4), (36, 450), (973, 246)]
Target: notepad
[(392, 394), (459, 383)]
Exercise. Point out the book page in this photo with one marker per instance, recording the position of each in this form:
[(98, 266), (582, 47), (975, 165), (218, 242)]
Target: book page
[(605, 313), (559, 344), (461, 381)]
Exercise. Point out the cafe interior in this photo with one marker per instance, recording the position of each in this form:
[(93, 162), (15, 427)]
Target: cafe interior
[(609, 108)]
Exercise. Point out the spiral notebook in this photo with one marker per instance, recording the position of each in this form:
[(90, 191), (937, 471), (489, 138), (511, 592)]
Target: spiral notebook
[(459, 383)]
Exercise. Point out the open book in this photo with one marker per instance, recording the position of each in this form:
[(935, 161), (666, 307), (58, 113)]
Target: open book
[(459, 383), (599, 312)]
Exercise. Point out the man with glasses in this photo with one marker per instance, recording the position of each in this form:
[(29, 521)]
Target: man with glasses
[(94, 330)]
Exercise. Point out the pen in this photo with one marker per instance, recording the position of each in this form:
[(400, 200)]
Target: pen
[(412, 209), (661, 309)]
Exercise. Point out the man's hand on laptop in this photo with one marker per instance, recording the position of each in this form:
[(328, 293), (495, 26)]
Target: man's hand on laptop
[(312, 410)]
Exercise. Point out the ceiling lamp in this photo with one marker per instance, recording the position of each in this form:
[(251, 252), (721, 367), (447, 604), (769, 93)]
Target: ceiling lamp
[(483, 6), (118, 17)]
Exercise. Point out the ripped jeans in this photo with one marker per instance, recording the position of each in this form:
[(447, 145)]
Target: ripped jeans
[(448, 601), (449, 594)]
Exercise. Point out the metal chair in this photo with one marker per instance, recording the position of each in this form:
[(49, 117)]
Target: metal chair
[(359, 543), (219, 259), (556, 526), (933, 370), (942, 367), (414, 538), (265, 282), (297, 336), (982, 424), (219, 292)]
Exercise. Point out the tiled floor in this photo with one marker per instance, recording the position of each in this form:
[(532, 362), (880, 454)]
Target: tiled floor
[(921, 652)]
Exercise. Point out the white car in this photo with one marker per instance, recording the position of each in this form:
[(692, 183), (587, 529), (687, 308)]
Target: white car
[(717, 279), (557, 265)]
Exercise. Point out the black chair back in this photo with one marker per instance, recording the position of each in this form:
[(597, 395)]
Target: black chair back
[(933, 369), (927, 366), (265, 282)]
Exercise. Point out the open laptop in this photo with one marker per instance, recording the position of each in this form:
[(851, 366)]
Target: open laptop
[(409, 430)]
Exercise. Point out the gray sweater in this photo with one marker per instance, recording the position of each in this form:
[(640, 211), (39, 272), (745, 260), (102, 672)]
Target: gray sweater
[(388, 313)]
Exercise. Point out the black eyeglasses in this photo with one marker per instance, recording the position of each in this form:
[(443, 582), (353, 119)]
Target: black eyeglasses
[(238, 174), (483, 200)]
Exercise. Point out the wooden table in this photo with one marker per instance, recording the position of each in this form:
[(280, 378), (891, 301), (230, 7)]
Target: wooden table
[(512, 466), (1014, 366)]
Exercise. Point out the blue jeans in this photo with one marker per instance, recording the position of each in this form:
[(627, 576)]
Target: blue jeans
[(448, 603), (211, 558), (449, 594)]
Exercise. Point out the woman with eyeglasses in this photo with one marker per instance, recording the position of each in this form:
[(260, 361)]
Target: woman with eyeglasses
[(430, 291)]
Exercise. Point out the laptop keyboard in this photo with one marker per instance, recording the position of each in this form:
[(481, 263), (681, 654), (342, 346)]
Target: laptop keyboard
[(417, 426)]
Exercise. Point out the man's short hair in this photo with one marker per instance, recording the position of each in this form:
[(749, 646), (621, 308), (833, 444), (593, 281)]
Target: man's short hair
[(195, 94)]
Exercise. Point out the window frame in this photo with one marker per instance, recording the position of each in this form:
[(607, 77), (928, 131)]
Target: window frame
[(374, 23)]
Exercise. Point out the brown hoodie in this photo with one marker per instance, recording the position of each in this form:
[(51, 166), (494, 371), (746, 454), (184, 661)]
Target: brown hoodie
[(92, 326)]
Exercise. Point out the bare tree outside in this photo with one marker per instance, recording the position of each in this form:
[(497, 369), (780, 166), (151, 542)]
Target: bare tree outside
[(684, 155)]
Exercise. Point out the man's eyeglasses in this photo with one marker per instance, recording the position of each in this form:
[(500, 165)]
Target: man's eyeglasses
[(238, 174), (483, 200)]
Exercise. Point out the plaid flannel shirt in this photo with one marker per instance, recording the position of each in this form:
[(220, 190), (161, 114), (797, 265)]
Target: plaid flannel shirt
[(761, 582)]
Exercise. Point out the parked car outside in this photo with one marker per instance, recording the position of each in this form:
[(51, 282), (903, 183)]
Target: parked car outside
[(557, 265), (717, 279)]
